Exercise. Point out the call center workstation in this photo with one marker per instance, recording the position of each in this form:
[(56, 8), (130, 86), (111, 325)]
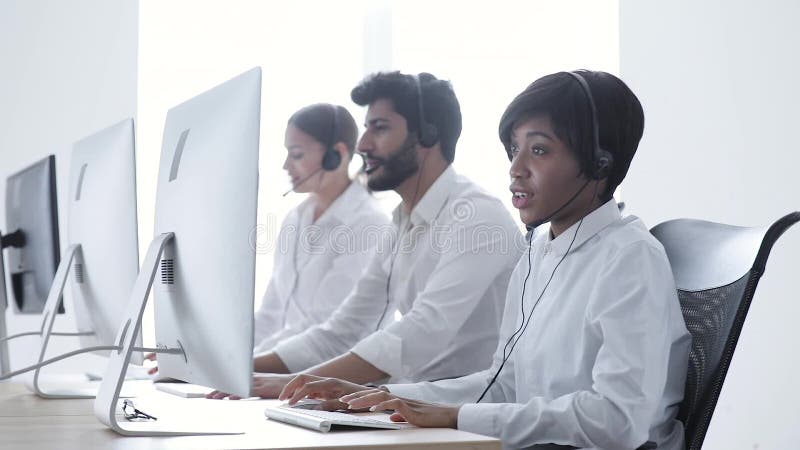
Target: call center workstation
[(518, 283), (200, 339)]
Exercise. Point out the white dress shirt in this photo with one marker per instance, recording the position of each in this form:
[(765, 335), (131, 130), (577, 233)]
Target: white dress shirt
[(603, 361), (317, 264), (449, 275)]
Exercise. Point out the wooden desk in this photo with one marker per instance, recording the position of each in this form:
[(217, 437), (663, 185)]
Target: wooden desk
[(27, 421)]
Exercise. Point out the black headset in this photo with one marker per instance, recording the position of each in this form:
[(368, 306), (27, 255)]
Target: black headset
[(602, 162), (332, 158), (428, 136), (428, 133), (330, 162)]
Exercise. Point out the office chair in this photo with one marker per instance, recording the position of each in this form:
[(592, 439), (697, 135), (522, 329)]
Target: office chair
[(716, 269)]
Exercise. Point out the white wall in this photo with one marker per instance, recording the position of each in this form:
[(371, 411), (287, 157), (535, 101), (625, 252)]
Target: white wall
[(310, 51), (718, 81), (68, 69), (491, 53)]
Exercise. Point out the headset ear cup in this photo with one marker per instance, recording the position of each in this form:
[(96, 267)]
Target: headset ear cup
[(429, 135), (331, 160), (603, 165)]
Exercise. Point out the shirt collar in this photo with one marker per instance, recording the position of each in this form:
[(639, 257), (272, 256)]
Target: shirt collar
[(344, 206), (432, 201), (592, 224)]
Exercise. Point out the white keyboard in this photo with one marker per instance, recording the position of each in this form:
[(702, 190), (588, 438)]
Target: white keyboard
[(323, 420), (185, 390)]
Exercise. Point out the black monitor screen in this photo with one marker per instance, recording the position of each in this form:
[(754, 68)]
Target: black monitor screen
[(31, 208)]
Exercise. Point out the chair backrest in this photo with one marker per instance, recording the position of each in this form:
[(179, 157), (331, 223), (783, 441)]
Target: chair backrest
[(716, 269)]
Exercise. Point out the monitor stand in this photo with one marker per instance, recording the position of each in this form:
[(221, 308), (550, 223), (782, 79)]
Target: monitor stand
[(51, 306), (58, 390), (105, 405)]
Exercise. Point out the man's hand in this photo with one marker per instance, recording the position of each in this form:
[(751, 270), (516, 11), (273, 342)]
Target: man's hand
[(421, 414), (323, 388), (265, 385)]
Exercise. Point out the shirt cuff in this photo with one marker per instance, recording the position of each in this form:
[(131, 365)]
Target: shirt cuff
[(383, 350), (410, 390), (296, 356), (479, 418)]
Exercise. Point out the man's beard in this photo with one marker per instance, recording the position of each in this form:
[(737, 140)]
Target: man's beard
[(397, 168)]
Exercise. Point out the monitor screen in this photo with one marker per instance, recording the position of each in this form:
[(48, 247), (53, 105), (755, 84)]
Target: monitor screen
[(31, 207)]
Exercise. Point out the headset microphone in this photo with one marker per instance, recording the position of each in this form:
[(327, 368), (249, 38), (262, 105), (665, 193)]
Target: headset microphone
[(297, 185), (532, 225), (394, 157)]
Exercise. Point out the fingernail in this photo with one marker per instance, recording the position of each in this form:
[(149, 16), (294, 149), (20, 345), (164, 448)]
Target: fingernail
[(372, 408)]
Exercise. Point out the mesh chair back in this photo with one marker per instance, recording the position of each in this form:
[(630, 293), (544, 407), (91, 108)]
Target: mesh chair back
[(716, 269)]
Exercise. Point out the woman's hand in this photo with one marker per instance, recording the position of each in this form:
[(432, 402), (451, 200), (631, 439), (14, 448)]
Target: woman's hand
[(322, 388), (415, 412)]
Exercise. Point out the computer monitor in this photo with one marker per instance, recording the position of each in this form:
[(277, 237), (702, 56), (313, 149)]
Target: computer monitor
[(102, 259), (31, 208), (102, 220), (207, 196), (201, 258)]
